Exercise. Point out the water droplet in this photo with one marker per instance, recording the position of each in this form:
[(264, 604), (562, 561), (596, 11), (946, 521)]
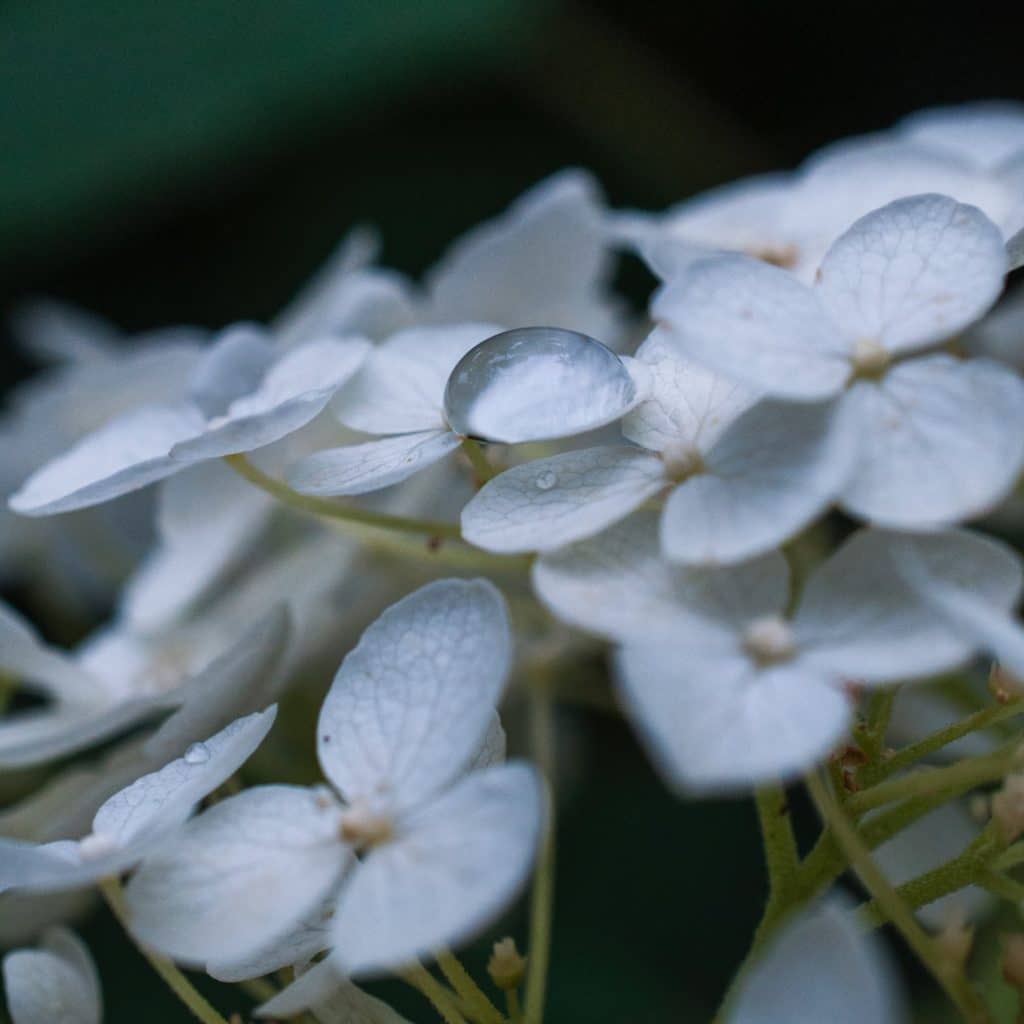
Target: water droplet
[(546, 480), (535, 384), (197, 754)]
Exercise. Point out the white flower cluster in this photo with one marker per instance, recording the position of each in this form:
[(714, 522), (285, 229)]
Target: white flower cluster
[(827, 339)]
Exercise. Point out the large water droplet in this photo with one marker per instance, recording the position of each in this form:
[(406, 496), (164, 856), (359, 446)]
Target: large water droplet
[(536, 383), (197, 754), (546, 480)]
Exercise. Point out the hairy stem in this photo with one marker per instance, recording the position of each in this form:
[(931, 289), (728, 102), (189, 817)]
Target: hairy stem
[(482, 469), (780, 853), (434, 992), (542, 736), (467, 989), (176, 981), (946, 972)]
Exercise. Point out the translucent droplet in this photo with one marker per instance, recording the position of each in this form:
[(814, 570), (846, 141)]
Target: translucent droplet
[(546, 480), (535, 384), (197, 754)]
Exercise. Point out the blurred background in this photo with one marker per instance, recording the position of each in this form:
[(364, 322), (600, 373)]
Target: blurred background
[(174, 162)]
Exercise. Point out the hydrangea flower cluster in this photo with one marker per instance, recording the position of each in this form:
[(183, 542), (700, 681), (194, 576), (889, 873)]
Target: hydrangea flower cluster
[(771, 497)]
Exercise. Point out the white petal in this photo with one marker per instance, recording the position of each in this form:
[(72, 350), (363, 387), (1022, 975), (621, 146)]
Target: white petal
[(457, 864), (619, 585), (820, 967), (360, 468), (25, 657), (207, 518), (57, 332), (537, 383), (985, 133), (158, 802), (858, 617), (548, 503), (55, 984), (233, 366), (941, 441), (493, 749), (543, 263), (411, 703), (756, 324), (685, 404), (400, 387), (331, 997), (293, 391), (240, 875), (716, 724), (774, 471), (125, 455), (303, 942), (956, 590), (913, 273)]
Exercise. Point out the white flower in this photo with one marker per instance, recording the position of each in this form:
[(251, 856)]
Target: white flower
[(961, 600), (820, 967), (137, 819), (54, 984), (418, 854), (741, 476), (544, 263), (428, 387), (939, 439), (989, 134), (790, 220), (241, 398), (726, 688), (116, 682)]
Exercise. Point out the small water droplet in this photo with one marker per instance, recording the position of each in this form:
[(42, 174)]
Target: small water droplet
[(197, 754), (546, 480)]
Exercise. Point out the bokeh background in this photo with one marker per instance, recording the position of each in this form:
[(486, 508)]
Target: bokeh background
[(167, 161)]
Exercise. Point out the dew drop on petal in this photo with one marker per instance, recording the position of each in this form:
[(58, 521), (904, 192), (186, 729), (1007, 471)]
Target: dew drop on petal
[(537, 383), (197, 753), (546, 480)]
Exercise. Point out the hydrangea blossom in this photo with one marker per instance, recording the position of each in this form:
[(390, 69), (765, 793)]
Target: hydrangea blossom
[(741, 476), (137, 819), (415, 855), (939, 439), (790, 220), (726, 688), (241, 397), (57, 982), (427, 388)]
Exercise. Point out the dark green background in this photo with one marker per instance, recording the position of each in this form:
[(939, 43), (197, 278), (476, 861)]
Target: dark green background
[(166, 161)]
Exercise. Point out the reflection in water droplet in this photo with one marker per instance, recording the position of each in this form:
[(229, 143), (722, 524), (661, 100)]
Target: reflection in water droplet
[(546, 480), (197, 754), (535, 384)]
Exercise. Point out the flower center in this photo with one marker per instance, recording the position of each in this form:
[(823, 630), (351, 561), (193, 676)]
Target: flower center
[(869, 359), (682, 461), (363, 828), (769, 640)]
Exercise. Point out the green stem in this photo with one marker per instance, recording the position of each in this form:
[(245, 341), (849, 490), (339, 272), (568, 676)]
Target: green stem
[(542, 735), (1008, 889), (434, 992), (937, 740), (176, 981), (467, 989), (482, 469), (780, 853), (879, 714), (969, 773), (326, 508), (515, 1014), (946, 972)]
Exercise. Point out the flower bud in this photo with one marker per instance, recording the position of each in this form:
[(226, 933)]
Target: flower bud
[(1003, 686), (956, 937), (506, 967)]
